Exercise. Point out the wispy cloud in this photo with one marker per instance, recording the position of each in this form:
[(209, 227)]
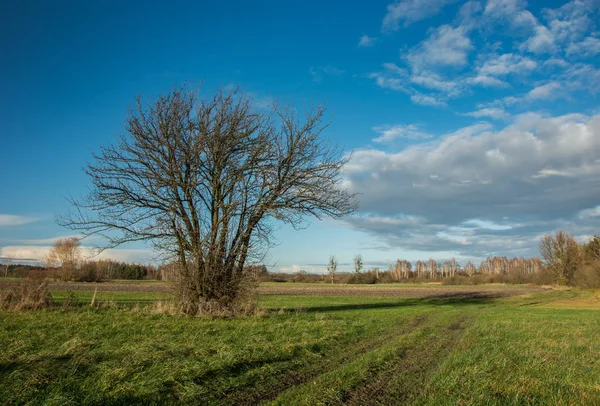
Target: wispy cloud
[(492, 112), (548, 91), (426, 100), (8, 220), (593, 212), (390, 133), (366, 41), (317, 72), (405, 12), (506, 64), (31, 253)]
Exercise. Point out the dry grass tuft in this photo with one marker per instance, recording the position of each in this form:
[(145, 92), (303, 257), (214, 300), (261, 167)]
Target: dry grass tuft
[(30, 294)]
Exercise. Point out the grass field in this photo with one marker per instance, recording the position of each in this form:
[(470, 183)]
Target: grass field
[(540, 348)]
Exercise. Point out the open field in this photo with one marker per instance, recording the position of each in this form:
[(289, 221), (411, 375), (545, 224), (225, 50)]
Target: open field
[(422, 290), (353, 348)]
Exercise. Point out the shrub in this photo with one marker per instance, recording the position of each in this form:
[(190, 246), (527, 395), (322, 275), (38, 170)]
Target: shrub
[(368, 278), (562, 256), (243, 303), (587, 275), (88, 273), (30, 294)]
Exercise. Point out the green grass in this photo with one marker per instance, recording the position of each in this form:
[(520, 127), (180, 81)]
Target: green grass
[(84, 297), (306, 350)]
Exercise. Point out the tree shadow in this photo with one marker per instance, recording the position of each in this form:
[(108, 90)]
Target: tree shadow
[(449, 299)]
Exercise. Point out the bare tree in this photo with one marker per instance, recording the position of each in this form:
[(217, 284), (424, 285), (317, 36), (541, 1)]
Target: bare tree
[(6, 262), (66, 255), (470, 268), (332, 268), (204, 180), (358, 263), (561, 254)]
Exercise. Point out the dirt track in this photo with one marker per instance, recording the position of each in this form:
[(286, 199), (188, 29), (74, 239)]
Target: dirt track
[(407, 291)]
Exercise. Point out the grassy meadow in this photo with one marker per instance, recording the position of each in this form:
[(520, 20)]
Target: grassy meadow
[(540, 348)]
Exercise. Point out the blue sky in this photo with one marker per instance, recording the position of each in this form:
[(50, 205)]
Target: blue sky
[(474, 126)]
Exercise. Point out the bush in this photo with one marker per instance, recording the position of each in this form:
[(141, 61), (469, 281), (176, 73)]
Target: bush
[(88, 273), (542, 277), (368, 278), (587, 275), (30, 294), (562, 256)]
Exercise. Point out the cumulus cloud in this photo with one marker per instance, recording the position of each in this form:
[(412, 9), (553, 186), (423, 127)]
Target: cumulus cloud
[(506, 64), (446, 46), (406, 12), (463, 188), (564, 26), (587, 48), (547, 52)]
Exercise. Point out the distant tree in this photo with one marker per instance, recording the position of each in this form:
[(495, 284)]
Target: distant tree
[(561, 255), (591, 249), (65, 255), (204, 180), (332, 268), (6, 262), (358, 263), (469, 268)]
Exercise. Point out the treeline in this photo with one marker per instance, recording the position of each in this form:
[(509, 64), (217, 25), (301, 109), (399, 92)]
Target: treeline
[(95, 271), (563, 261), (89, 271)]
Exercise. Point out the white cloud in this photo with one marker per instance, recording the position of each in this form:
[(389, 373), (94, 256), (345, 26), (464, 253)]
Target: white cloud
[(548, 91), (492, 112), (488, 225), (366, 41), (8, 220), (486, 81), (512, 13), (37, 253), (392, 77), (406, 12), (476, 177), (593, 212), (40, 241), (446, 46), (541, 42), (391, 133), (425, 100), (434, 81), (504, 8), (507, 64), (565, 25), (587, 48)]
